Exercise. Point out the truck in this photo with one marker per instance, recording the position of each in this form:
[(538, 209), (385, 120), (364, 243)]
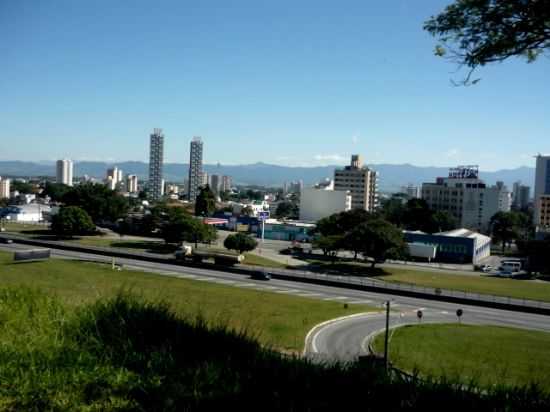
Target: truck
[(220, 258)]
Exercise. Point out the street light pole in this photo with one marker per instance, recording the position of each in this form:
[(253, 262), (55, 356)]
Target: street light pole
[(386, 338)]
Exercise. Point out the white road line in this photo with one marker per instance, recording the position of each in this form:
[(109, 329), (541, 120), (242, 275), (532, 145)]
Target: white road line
[(337, 298), (360, 302), (186, 276), (309, 295), (246, 285), (204, 279)]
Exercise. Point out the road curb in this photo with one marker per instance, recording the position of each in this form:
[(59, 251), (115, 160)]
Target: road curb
[(321, 325)]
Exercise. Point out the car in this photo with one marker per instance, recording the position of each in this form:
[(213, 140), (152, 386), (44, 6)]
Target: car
[(261, 275), (5, 240), (486, 268)]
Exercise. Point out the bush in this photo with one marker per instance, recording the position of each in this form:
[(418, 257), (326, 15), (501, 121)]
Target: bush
[(240, 242), (72, 220)]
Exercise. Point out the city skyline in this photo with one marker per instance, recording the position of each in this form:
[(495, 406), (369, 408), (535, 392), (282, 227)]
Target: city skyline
[(296, 89)]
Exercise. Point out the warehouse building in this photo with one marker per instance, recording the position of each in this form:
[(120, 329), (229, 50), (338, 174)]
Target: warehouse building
[(455, 246)]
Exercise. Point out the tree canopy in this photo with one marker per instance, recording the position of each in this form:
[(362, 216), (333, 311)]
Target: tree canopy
[(179, 227), (240, 242), (71, 221), (100, 202), (205, 204), (55, 191), (473, 33), (287, 209), (382, 240)]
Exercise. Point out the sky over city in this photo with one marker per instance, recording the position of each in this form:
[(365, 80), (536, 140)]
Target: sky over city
[(284, 82)]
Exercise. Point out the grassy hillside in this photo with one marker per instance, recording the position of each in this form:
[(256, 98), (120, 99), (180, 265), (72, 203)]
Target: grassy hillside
[(276, 319), (129, 354)]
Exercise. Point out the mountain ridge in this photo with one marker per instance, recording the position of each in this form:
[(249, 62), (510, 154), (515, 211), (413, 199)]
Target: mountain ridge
[(392, 176)]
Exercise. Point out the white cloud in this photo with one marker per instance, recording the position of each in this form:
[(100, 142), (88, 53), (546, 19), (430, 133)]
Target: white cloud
[(452, 153), (330, 158)]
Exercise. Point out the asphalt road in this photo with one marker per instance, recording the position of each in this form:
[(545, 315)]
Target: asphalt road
[(345, 339)]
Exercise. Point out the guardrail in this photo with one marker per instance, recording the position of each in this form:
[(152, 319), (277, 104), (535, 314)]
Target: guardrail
[(342, 281)]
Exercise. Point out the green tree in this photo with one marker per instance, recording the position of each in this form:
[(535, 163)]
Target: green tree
[(247, 211), (287, 209), (240, 242), (182, 227), (505, 228), (21, 187), (473, 33), (71, 221), (330, 245), (443, 221), (393, 210), (382, 240), (418, 216), (205, 204), (100, 202), (55, 191)]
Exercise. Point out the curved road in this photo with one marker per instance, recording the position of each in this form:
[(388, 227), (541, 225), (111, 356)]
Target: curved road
[(345, 339)]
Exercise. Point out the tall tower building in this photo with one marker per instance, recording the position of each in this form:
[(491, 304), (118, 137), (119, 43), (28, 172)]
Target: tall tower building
[(132, 183), (4, 188), (542, 186), (156, 156), (226, 184), (195, 168), (64, 172), (361, 182), (215, 183)]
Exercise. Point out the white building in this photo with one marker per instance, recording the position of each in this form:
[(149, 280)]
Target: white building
[(226, 184), (132, 183), (412, 191), (361, 182), (171, 189), (64, 172), (322, 201), (4, 188), (215, 184), (28, 213), (467, 197)]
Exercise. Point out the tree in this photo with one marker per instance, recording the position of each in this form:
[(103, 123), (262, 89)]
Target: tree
[(240, 242), (504, 227), (205, 204), (21, 187), (247, 211), (473, 33), (71, 221), (330, 245), (100, 202), (418, 216), (55, 191), (382, 241), (287, 209), (443, 221), (180, 227)]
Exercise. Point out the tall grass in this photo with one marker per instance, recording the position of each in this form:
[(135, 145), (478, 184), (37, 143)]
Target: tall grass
[(126, 353)]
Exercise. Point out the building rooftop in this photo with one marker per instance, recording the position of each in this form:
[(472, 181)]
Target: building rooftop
[(463, 233)]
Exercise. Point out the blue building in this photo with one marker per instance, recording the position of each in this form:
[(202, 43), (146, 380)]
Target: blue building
[(455, 246)]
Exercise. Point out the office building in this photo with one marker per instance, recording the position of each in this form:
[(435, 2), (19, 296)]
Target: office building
[(156, 159), (467, 197), (132, 183), (4, 188), (520, 196), (412, 192), (543, 207), (64, 172), (196, 175), (226, 184), (171, 189), (361, 182), (542, 186), (215, 184), (322, 200)]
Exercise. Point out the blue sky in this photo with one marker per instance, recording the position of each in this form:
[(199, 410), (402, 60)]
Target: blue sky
[(284, 82)]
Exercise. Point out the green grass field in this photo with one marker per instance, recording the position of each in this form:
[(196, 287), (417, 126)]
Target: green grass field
[(515, 288), (486, 354), (279, 320)]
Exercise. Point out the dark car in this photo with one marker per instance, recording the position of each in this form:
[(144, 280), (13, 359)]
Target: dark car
[(5, 240), (261, 276)]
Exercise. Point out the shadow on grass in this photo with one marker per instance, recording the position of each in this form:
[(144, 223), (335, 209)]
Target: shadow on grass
[(344, 268), (146, 246)]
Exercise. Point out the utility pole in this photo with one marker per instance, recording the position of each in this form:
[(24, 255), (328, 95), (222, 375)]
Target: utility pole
[(386, 338)]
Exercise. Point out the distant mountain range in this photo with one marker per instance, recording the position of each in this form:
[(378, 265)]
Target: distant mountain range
[(392, 177)]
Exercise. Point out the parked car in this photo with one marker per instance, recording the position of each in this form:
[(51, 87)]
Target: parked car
[(261, 275)]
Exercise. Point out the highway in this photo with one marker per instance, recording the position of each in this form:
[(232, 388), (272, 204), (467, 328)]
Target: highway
[(344, 339)]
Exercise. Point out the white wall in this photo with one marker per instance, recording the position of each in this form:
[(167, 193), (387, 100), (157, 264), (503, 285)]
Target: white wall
[(316, 204)]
